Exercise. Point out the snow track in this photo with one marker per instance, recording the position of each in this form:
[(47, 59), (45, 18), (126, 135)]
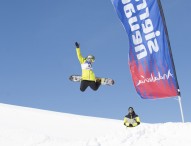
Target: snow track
[(21, 126)]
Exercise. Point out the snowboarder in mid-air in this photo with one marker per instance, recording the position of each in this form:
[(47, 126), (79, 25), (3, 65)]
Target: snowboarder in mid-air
[(88, 77), (132, 119)]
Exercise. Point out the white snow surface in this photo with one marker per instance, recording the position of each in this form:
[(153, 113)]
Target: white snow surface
[(22, 126)]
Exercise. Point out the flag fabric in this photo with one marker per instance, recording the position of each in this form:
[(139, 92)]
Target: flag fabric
[(150, 57)]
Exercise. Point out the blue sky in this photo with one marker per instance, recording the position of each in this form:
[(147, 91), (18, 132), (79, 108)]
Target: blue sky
[(37, 55)]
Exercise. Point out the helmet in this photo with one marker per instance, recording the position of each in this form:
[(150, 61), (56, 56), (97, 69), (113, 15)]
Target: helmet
[(90, 57)]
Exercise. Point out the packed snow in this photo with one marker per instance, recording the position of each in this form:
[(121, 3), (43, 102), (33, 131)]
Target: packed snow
[(22, 126)]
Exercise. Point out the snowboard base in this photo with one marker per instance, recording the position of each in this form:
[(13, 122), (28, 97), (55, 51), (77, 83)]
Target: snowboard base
[(104, 81)]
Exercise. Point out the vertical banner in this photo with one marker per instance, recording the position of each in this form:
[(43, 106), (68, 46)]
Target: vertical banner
[(150, 57)]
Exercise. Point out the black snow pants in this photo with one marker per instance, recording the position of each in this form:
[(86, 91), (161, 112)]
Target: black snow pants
[(93, 85)]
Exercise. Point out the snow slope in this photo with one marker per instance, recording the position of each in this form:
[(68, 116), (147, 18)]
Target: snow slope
[(21, 126)]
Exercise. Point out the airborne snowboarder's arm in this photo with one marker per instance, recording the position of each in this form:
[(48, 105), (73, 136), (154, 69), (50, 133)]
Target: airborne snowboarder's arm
[(79, 55)]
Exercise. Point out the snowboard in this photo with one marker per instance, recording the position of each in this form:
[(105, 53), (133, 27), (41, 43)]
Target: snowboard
[(104, 81)]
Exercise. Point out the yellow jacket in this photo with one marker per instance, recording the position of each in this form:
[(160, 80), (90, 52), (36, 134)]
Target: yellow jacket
[(131, 120), (87, 70)]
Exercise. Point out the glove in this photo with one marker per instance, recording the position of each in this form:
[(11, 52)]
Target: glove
[(77, 44)]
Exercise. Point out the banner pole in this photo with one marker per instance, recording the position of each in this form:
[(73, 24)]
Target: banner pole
[(179, 98), (180, 104)]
